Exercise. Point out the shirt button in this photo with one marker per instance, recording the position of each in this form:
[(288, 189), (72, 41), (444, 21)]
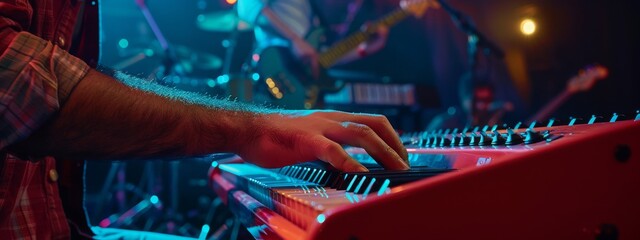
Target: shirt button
[(53, 175), (61, 41)]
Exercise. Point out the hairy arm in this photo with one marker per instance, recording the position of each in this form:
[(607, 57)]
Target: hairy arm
[(106, 119), (53, 104)]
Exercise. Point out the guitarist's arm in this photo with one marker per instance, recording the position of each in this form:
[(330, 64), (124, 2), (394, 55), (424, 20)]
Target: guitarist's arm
[(261, 13), (300, 47), (367, 48), (308, 54), (408, 7)]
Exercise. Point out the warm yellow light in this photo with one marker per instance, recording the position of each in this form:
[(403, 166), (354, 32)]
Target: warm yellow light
[(231, 2), (270, 83), (528, 26), (275, 90)]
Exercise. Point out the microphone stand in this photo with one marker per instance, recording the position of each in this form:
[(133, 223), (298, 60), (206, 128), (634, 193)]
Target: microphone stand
[(475, 36), (476, 40), (231, 43)]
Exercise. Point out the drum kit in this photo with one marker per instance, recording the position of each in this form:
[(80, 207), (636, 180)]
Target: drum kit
[(182, 67), (167, 193)]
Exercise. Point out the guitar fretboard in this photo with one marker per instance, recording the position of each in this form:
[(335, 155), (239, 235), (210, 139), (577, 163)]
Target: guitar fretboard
[(339, 49)]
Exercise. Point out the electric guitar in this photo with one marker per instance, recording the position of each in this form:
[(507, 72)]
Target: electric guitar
[(458, 117), (584, 81), (290, 84)]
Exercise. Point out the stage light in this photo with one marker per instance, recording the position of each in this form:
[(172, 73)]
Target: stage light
[(222, 79), (211, 83), (123, 43), (154, 199), (231, 2), (149, 52), (528, 27), (275, 90), (270, 83), (204, 231), (451, 110)]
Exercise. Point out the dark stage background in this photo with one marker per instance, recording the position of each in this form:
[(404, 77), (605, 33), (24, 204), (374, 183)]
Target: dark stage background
[(429, 52)]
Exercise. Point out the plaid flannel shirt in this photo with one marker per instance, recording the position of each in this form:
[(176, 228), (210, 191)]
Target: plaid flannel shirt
[(37, 75)]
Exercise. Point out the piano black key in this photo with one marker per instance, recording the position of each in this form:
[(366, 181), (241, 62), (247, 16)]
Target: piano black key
[(325, 175), (350, 181)]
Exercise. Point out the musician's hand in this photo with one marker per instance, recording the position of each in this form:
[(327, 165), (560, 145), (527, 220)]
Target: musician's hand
[(418, 7), (307, 54), (291, 137), (378, 41)]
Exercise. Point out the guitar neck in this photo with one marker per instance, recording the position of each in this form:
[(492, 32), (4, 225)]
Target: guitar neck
[(581, 82), (339, 49), (548, 109)]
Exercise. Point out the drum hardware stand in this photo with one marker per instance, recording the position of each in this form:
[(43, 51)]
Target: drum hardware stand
[(476, 41), (130, 211), (230, 44), (236, 84), (168, 64), (172, 219), (165, 69)]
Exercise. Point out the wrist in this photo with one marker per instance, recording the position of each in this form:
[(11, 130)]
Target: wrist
[(362, 51), (225, 130)]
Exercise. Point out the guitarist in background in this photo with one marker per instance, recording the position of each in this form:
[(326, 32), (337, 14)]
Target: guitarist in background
[(479, 106), (285, 24), (582, 82)]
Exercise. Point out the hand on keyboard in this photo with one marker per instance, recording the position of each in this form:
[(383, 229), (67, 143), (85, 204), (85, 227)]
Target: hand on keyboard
[(291, 137)]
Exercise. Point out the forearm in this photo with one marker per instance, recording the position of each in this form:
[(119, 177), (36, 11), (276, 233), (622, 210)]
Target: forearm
[(106, 119)]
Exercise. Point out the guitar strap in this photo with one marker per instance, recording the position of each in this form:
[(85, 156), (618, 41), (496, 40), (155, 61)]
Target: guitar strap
[(321, 22), (352, 10), (319, 19)]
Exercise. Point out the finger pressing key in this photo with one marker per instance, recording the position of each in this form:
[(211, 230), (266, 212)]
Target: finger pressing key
[(335, 155), (380, 125), (360, 135)]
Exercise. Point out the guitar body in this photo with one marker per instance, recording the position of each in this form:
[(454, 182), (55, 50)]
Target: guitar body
[(287, 81), (290, 84)]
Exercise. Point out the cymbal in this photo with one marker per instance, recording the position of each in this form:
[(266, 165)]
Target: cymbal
[(222, 21), (187, 59), (191, 59)]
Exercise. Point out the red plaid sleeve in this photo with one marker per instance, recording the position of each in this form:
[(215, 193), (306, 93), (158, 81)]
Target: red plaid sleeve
[(36, 77)]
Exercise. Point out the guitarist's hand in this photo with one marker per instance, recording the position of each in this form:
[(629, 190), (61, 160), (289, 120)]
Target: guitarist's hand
[(378, 40), (291, 137), (307, 54)]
